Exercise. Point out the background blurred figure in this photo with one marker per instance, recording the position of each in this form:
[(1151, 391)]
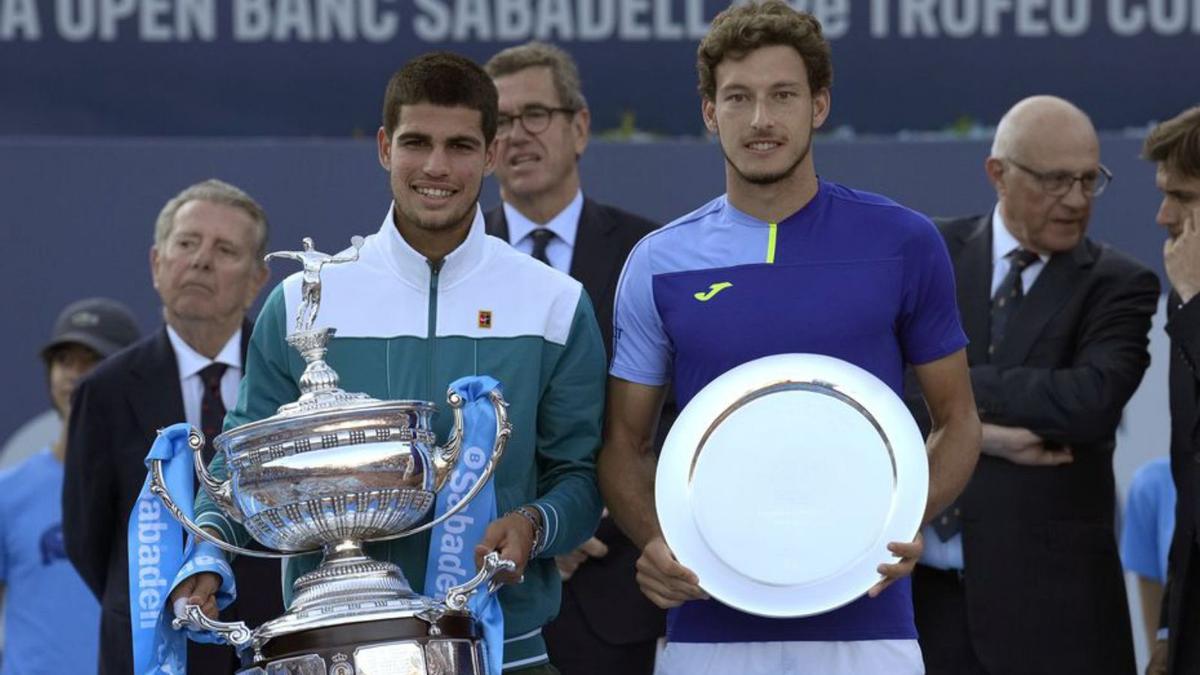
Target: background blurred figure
[(207, 265), (1174, 147), (605, 624), (51, 619), (1146, 536), (1022, 574)]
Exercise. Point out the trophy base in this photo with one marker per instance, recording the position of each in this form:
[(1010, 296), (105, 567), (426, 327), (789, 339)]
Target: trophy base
[(450, 645)]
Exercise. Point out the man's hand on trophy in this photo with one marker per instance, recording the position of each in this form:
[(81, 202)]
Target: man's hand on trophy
[(909, 552), (513, 537), (662, 579), (567, 564), (198, 589)]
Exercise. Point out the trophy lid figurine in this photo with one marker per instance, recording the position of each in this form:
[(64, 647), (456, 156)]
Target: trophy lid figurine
[(325, 474)]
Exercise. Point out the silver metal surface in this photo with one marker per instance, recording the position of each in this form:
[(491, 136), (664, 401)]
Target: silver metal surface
[(399, 658), (453, 657), (310, 664), (812, 386), (327, 473), (457, 597), (313, 262), (235, 633)]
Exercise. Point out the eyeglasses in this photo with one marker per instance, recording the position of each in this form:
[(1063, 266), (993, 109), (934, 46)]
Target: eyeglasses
[(534, 119), (1059, 183)]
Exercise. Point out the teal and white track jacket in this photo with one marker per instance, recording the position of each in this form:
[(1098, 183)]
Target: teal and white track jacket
[(405, 330)]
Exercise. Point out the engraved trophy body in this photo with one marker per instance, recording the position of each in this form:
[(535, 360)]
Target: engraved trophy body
[(325, 474)]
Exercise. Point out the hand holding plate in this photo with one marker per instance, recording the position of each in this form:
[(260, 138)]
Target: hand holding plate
[(909, 553), (662, 579)]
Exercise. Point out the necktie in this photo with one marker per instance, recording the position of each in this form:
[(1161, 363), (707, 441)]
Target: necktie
[(541, 238), (1004, 304), (212, 407), (1009, 295)]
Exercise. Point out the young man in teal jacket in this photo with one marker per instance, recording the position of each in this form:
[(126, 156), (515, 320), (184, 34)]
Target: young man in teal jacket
[(432, 298)]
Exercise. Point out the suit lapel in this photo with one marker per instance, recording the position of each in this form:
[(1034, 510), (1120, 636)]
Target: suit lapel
[(594, 252), (1053, 287), (157, 400), (495, 224), (973, 270)]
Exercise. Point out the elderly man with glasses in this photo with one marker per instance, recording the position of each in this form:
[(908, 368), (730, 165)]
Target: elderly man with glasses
[(1021, 574)]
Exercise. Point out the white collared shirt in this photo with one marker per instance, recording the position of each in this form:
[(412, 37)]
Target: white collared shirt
[(564, 226), (190, 364), (1004, 243)]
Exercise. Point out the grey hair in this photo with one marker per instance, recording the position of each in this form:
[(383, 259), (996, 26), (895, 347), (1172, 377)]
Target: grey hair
[(217, 192), (563, 70)]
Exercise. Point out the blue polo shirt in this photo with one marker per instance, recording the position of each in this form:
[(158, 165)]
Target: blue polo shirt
[(851, 275), (51, 618), (1149, 520)]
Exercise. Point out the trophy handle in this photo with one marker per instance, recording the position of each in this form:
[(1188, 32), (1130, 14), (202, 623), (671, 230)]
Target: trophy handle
[(236, 634), (221, 492), (458, 596), (452, 449), (158, 487), (445, 457)]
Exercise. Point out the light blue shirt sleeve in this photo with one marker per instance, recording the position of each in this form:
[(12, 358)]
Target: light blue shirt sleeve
[(642, 351), (1149, 521)]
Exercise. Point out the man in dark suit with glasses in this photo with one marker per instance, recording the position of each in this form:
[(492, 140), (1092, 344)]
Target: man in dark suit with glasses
[(605, 624), (1021, 574)]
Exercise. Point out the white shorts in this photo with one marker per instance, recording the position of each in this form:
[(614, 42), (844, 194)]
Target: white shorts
[(866, 657)]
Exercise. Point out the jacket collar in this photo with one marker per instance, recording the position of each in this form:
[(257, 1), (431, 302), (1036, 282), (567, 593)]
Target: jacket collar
[(391, 250)]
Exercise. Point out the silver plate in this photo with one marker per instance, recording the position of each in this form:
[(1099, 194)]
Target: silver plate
[(783, 480)]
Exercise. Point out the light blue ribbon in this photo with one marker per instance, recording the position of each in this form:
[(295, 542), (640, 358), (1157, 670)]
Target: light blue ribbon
[(452, 544), (157, 554)]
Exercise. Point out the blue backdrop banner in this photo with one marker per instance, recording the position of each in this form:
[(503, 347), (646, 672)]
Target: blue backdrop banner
[(318, 67)]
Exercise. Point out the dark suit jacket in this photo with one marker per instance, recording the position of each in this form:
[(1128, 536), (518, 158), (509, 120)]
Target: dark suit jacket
[(606, 588), (1043, 584), (1183, 326), (115, 414)]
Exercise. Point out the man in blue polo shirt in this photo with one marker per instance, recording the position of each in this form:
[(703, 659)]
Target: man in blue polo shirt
[(51, 619), (783, 262)]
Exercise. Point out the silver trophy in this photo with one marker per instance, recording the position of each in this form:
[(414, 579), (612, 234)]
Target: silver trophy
[(325, 474)]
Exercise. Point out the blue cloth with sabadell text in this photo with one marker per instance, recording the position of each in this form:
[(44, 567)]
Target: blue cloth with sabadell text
[(851, 275), (51, 618)]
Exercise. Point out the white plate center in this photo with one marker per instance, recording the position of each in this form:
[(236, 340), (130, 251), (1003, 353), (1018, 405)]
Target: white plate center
[(786, 498)]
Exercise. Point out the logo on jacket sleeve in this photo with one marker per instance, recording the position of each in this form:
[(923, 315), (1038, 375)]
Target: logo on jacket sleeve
[(713, 289), (485, 318)]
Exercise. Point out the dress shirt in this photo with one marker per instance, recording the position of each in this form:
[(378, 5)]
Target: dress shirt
[(948, 555), (190, 364), (1004, 243), (564, 226)]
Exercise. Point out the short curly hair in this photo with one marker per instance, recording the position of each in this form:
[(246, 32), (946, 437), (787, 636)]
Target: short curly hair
[(739, 30), (1176, 144)]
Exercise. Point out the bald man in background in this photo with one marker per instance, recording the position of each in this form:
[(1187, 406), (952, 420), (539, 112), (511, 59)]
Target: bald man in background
[(1021, 574)]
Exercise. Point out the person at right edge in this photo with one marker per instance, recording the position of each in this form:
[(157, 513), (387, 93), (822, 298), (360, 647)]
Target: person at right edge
[(1022, 575), (800, 264), (1174, 147)]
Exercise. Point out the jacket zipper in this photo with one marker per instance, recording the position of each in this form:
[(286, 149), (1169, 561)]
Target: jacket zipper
[(435, 269)]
